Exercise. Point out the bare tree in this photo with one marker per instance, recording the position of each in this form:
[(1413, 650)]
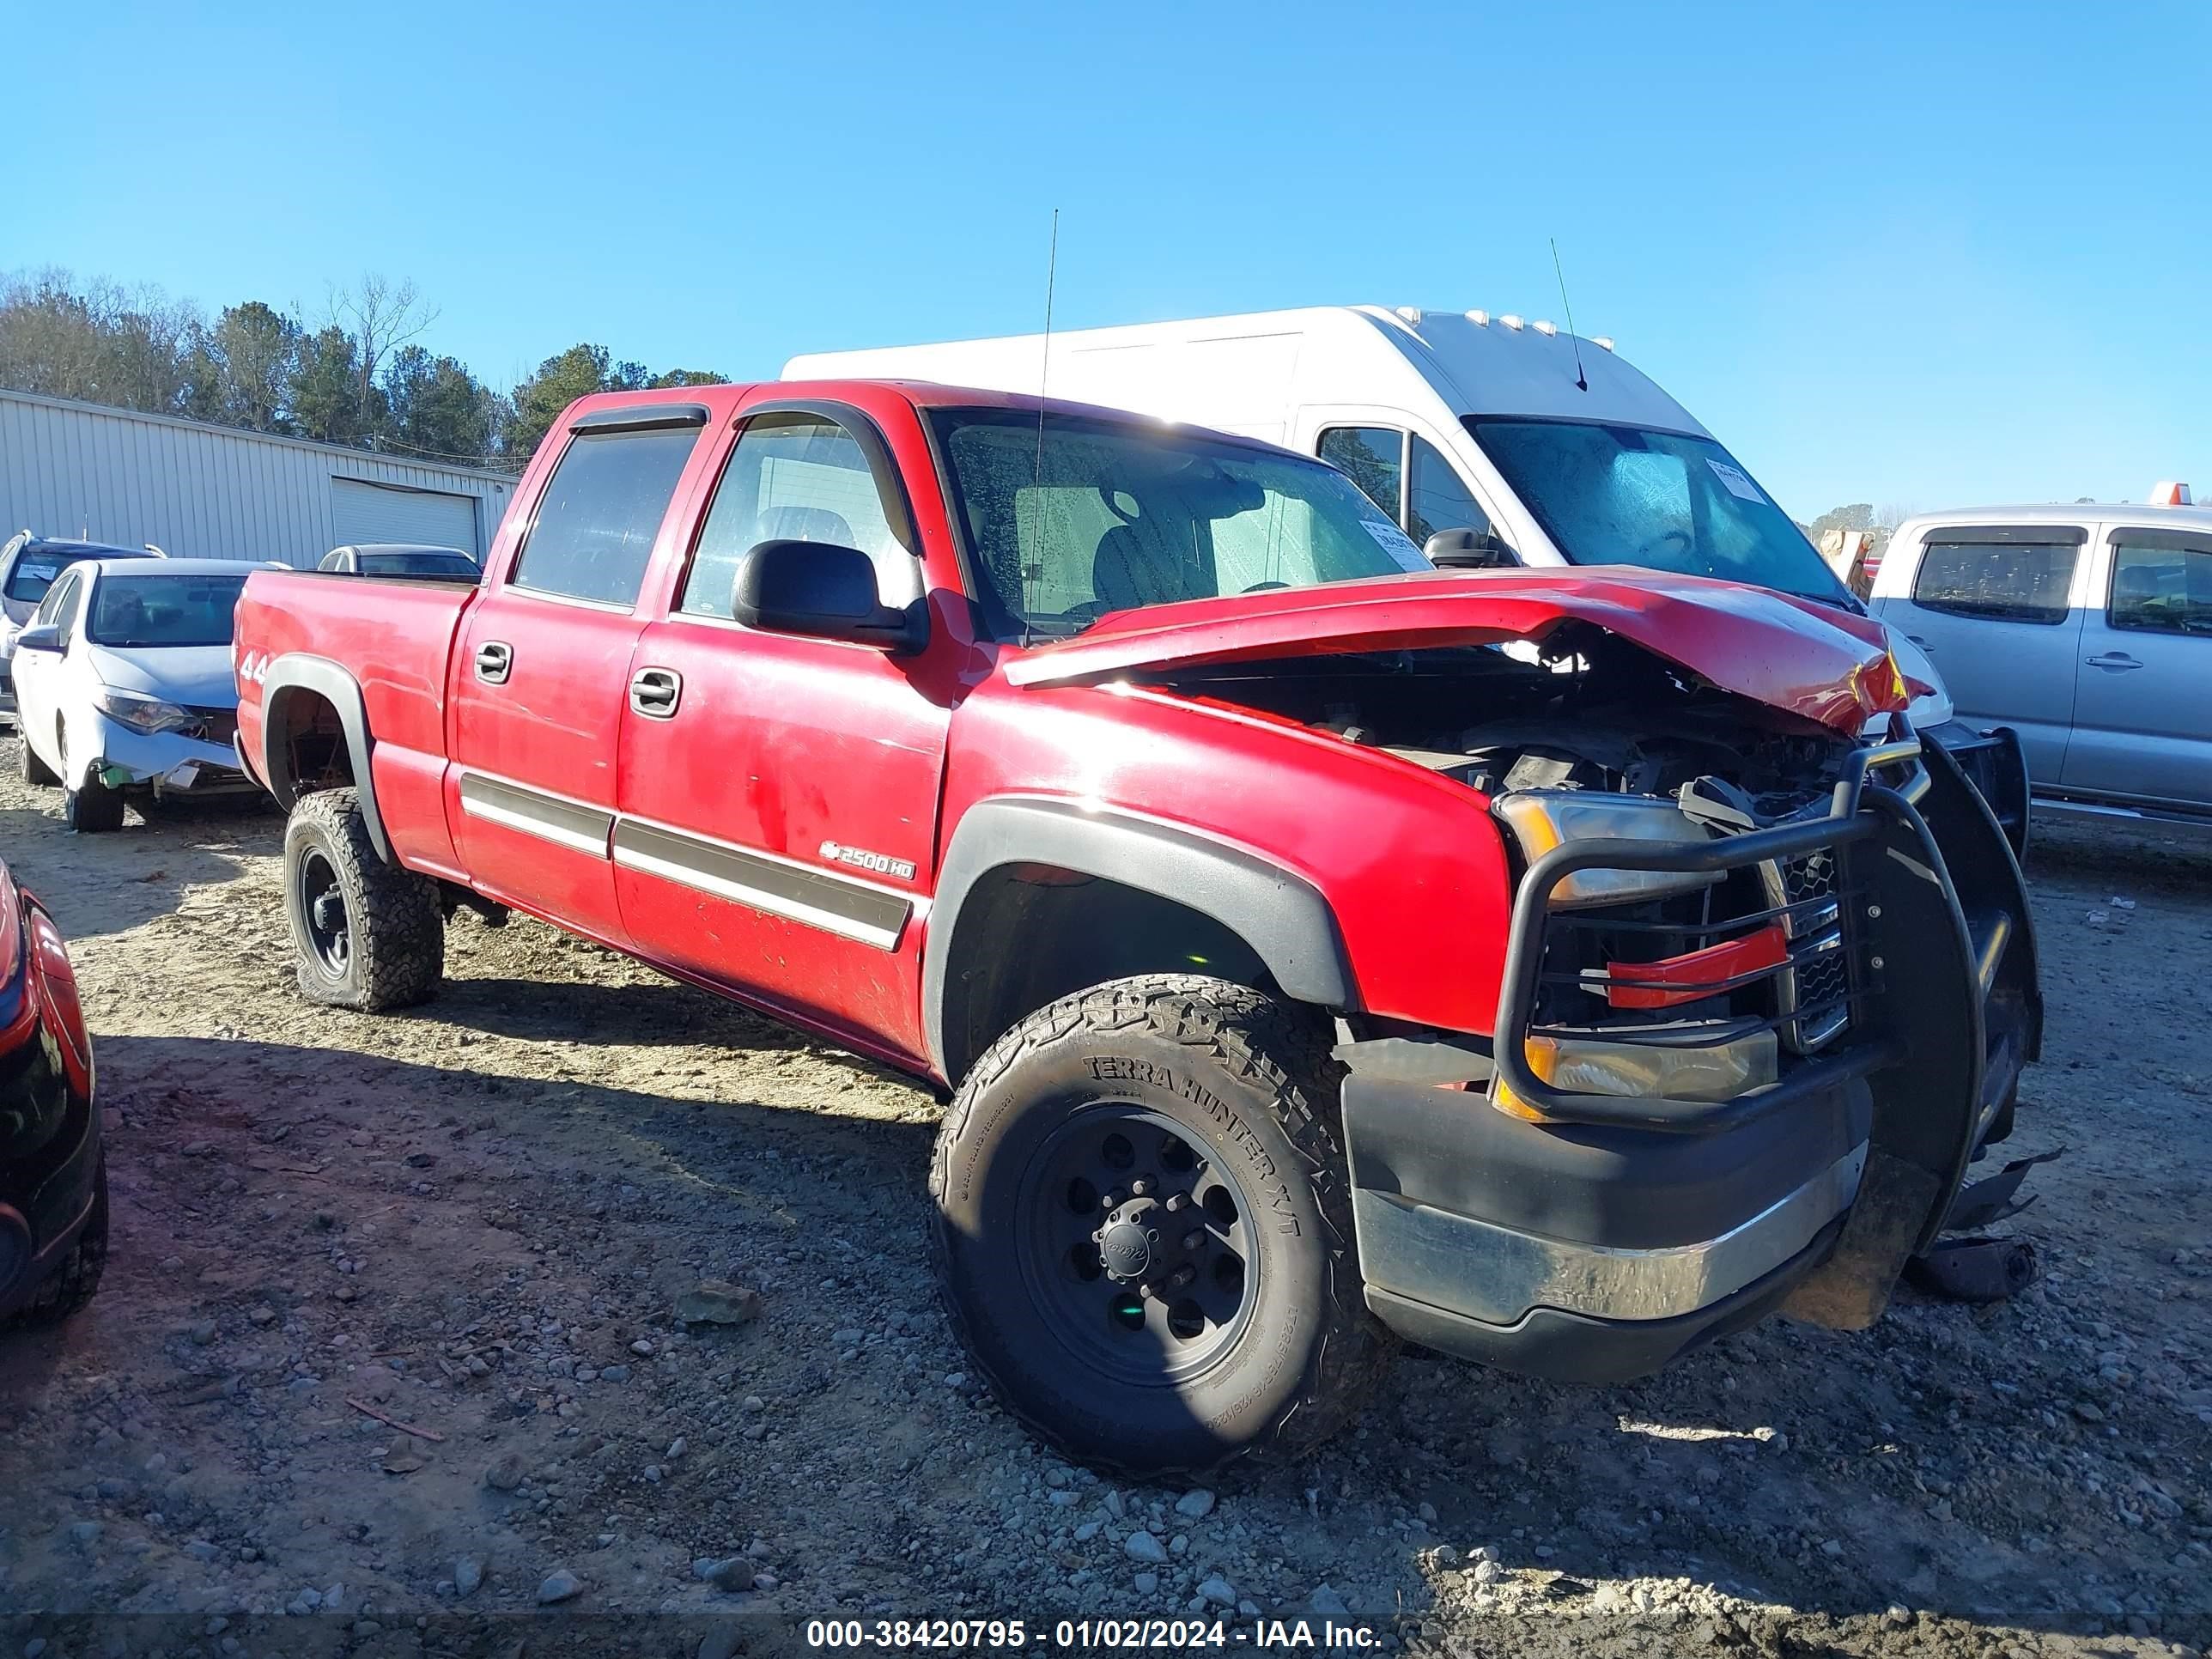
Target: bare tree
[(381, 318), (1890, 514)]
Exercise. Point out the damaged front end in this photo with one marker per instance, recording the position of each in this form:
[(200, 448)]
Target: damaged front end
[(1745, 1046), (1766, 988)]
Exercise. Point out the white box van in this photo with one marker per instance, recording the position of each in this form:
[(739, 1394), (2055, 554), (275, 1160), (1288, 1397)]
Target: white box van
[(1545, 448)]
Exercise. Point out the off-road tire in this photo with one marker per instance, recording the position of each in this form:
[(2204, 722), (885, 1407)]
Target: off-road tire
[(91, 808), (69, 1287), (34, 771), (1253, 1080), (396, 926)]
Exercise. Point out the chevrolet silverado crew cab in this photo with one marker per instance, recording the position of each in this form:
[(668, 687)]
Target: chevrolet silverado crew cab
[(1314, 944), (1489, 438)]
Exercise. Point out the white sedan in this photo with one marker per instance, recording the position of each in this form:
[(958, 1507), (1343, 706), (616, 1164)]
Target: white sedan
[(124, 686)]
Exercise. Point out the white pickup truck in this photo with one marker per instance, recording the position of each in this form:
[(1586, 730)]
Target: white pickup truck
[(2087, 629)]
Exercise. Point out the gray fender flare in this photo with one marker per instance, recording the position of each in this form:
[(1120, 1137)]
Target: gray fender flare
[(297, 672), (1280, 914)]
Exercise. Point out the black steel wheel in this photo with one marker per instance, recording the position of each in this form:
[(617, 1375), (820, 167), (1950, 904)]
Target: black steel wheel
[(320, 898), (1136, 1247), (366, 934), (1144, 1232)]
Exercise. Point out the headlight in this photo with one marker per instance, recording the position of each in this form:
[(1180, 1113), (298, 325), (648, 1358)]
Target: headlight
[(1541, 819), (147, 714)]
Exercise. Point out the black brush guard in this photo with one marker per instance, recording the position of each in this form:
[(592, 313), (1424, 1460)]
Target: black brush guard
[(1945, 1008)]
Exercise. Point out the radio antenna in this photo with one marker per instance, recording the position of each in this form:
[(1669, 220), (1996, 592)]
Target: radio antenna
[(1033, 569), (1582, 380)]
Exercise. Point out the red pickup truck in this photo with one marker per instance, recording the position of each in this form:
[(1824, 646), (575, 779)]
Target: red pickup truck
[(1313, 944)]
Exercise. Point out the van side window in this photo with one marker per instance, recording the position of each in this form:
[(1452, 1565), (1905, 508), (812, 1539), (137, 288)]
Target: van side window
[(595, 527), (2161, 582), (1372, 456), (793, 477), (2021, 582), (1436, 499)]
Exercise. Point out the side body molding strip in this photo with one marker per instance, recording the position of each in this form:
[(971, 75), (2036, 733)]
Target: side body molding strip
[(851, 910), (567, 824), (1282, 916), (836, 903)]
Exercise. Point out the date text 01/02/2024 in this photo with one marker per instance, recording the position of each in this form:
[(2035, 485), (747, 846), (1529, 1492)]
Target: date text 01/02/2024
[(1260, 1636)]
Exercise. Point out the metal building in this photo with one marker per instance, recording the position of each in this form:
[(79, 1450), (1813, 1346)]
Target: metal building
[(199, 491)]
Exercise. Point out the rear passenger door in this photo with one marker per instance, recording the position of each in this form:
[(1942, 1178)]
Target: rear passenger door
[(1994, 606), (2143, 716), (541, 675), (40, 676)]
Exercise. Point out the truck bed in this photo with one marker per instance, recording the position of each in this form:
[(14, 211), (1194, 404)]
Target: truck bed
[(395, 637)]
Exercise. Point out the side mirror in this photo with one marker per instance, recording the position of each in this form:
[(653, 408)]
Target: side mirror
[(44, 637), (824, 592), (1467, 550)]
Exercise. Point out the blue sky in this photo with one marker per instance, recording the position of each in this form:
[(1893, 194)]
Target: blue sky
[(1930, 255)]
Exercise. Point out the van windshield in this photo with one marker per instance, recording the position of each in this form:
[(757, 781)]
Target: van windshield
[(1078, 517), (1663, 501)]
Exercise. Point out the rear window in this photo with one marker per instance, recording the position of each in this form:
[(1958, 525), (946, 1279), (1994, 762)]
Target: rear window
[(36, 568), (594, 529), (168, 610), (1997, 581), (418, 564)]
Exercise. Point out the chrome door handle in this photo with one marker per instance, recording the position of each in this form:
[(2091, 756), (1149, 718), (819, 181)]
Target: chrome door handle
[(2113, 660), (654, 692), (495, 662)]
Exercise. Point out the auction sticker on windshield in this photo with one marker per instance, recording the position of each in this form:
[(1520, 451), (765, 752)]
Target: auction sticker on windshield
[(1733, 480), (1396, 542)]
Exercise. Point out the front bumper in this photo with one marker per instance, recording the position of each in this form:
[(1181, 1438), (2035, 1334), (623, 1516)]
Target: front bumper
[(167, 763), (1995, 765), (1613, 1232)]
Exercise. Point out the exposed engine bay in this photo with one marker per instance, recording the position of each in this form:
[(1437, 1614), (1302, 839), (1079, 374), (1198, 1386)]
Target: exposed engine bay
[(1671, 983), (1589, 711)]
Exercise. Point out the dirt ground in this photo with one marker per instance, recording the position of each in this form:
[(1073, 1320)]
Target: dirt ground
[(476, 1219)]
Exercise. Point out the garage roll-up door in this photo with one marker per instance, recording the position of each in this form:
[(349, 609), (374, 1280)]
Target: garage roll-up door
[(364, 512)]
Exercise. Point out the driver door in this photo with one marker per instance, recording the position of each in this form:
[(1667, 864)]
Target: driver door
[(778, 794), (40, 676)]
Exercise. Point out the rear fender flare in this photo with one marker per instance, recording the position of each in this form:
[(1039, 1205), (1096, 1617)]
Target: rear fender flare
[(1280, 914), (297, 671)]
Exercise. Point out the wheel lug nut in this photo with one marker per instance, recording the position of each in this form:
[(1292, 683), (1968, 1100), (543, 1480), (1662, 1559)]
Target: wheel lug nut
[(1193, 1239), (1145, 1289), (1176, 1201), (1111, 1202), (1140, 1187)]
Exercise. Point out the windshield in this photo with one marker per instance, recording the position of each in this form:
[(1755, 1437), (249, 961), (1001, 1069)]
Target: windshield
[(36, 567), (177, 610), (1622, 494), (418, 564), (1091, 516)]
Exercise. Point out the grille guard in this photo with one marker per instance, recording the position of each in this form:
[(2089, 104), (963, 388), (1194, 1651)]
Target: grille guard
[(1860, 809)]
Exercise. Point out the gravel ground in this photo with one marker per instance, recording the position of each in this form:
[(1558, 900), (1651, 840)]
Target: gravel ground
[(480, 1220)]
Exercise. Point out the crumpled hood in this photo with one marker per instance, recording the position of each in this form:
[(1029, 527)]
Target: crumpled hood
[(1823, 665), (197, 675)]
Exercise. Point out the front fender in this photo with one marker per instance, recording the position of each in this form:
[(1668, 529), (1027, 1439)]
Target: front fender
[(1283, 917)]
